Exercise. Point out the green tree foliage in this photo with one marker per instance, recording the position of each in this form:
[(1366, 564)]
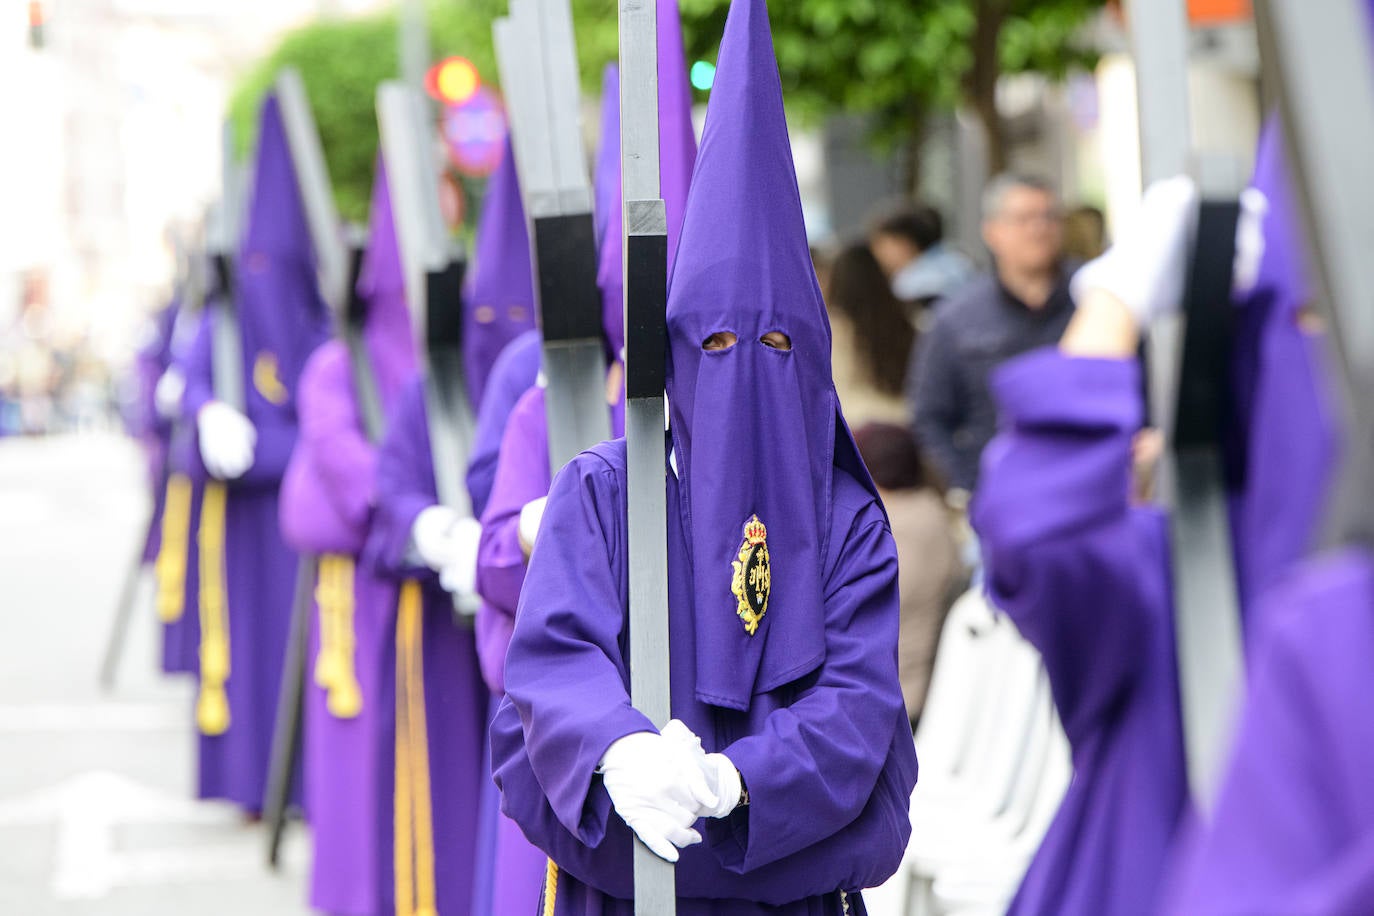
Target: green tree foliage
[(897, 61), (894, 60)]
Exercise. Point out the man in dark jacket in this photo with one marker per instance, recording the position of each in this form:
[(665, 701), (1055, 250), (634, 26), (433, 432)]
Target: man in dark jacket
[(1022, 304)]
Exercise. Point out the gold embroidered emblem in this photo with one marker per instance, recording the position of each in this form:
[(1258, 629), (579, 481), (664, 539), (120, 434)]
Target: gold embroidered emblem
[(753, 579), (265, 378)]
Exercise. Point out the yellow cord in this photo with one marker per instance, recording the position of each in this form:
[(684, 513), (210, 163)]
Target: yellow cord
[(345, 695), (403, 852), (212, 706), (550, 888), (326, 597), (426, 902), (170, 566)]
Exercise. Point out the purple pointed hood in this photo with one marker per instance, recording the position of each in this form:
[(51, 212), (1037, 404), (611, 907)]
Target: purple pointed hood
[(381, 284), (500, 290), (281, 315), (757, 431), (677, 144)]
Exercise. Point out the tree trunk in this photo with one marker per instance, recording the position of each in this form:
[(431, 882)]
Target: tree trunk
[(980, 84), (909, 167)]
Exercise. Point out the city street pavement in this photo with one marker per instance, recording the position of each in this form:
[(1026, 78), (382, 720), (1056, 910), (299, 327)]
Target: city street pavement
[(96, 809)]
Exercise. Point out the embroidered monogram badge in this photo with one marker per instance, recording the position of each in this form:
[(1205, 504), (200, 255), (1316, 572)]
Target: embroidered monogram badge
[(266, 380), (753, 579)]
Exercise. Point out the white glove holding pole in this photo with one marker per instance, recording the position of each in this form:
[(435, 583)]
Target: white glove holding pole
[(721, 775), (1145, 267), (458, 575), (531, 515), (658, 786), (227, 439)]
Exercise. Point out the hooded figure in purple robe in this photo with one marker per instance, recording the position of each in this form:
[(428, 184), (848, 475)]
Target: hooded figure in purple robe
[(247, 573), (1060, 533), (327, 503), (500, 288), (436, 760), (782, 588)]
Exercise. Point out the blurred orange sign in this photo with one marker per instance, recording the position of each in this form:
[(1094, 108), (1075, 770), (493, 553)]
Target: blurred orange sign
[(1217, 12)]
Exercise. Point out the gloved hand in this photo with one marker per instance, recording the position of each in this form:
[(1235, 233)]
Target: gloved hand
[(658, 787), (1145, 267), (721, 776), (227, 439), (431, 536), (167, 394), (458, 575), (531, 514)]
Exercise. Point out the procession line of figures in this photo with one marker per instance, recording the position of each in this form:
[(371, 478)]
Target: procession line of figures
[(453, 769)]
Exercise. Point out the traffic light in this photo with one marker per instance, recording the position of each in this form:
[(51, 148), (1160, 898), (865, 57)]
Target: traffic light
[(38, 20), (453, 81)]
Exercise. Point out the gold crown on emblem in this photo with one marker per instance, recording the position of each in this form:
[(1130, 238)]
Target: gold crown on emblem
[(754, 531)]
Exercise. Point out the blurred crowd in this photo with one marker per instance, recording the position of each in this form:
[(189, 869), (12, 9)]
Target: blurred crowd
[(917, 329), (52, 379)]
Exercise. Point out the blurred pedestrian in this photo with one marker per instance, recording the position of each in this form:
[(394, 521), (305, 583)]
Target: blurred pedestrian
[(871, 337), (929, 573), (1021, 304), (907, 240)]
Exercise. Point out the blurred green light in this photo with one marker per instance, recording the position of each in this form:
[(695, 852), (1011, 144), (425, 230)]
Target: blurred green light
[(703, 75)]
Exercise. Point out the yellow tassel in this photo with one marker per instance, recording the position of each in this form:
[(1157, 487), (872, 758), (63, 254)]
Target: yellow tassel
[(212, 706), (346, 696), (403, 849), (170, 566), (550, 888), (326, 663)]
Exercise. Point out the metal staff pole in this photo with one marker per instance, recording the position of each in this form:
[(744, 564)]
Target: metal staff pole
[(646, 300), (1188, 363), (542, 98), (1318, 55)]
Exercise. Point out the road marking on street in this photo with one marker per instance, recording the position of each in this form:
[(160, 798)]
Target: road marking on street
[(87, 808), (125, 717)]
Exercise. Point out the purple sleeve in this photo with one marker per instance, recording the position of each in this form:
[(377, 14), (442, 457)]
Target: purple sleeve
[(512, 375), (565, 671), (1057, 531), (522, 475), (405, 485), (830, 744)]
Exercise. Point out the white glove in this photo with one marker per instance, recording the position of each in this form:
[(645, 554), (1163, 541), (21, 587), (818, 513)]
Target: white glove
[(227, 439), (530, 516), (431, 535), (167, 394), (459, 574), (721, 775), (1254, 207), (1144, 269), (658, 787)]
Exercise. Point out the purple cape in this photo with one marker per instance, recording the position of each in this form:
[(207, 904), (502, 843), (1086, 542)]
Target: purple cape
[(281, 320), (499, 298), (1293, 827), (1058, 534), (828, 758)]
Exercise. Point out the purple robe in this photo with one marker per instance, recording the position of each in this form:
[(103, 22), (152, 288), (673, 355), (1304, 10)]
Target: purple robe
[(837, 737), (1293, 827), (1085, 577), (326, 508), (511, 376), (281, 322), (453, 694)]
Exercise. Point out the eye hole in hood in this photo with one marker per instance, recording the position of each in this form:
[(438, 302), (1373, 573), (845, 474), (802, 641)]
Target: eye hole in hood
[(720, 340)]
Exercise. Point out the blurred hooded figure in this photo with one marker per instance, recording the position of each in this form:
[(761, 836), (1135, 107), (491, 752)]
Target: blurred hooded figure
[(782, 585), (1060, 532), (247, 573), (327, 504)]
